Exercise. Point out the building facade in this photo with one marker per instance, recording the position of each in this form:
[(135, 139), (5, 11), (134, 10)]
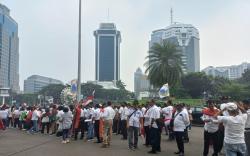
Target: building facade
[(107, 50), (9, 51), (186, 37), (229, 72), (141, 83), (35, 83)]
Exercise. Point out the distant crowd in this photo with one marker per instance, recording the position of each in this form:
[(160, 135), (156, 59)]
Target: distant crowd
[(226, 124)]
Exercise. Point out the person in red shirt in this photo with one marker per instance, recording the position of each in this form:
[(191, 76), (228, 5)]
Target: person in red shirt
[(76, 120)]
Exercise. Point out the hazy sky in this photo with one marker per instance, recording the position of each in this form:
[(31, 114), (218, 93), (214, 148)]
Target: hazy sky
[(48, 32)]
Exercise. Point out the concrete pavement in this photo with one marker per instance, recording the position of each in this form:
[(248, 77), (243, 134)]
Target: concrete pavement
[(19, 143)]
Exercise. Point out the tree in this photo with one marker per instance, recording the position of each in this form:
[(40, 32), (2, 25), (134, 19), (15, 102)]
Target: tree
[(246, 76), (196, 84), (53, 90), (30, 99), (105, 94), (120, 85), (236, 91), (164, 64)]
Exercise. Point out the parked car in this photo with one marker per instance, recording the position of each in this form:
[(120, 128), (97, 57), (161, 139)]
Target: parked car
[(197, 114)]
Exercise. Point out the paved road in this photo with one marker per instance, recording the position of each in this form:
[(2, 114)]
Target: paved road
[(18, 143)]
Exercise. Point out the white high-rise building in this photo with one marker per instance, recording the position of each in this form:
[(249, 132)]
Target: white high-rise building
[(9, 51), (35, 83), (228, 72), (186, 37), (141, 82)]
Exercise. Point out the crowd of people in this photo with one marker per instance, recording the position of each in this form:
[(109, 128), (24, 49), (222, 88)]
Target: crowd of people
[(225, 126)]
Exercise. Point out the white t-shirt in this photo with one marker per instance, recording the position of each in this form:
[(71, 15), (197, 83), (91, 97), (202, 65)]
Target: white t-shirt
[(181, 120), (143, 109), (82, 113), (248, 119), (134, 120), (124, 113), (3, 114), (234, 128), (120, 110), (167, 112), (96, 114), (45, 119), (154, 113), (210, 126), (146, 118), (16, 113), (108, 113), (35, 115)]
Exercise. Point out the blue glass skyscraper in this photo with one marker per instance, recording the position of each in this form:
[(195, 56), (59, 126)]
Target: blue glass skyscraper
[(9, 50), (107, 46)]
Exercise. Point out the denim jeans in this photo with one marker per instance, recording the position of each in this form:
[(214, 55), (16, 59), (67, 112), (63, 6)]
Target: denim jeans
[(90, 131), (133, 133), (34, 127), (65, 134), (235, 149)]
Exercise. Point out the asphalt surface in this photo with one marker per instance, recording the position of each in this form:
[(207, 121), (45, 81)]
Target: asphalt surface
[(18, 143)]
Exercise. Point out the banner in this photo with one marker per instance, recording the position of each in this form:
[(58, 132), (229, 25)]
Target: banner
[(164, 91), (74, 86)]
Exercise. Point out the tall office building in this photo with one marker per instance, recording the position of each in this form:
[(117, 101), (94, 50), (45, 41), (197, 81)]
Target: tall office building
[(9, 51), (35, 83), (141, 83), (186, 37), (107, 47)]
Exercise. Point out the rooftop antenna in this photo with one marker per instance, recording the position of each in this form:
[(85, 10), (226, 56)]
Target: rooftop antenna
[(171, 15), (108, 15)]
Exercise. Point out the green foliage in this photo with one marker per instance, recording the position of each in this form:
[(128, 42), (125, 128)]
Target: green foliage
[(30, 99), (196, 84), (102, 94), (164, 64), (121, 85), (53, 90), (179, 92), (236, 91), (245, 77)]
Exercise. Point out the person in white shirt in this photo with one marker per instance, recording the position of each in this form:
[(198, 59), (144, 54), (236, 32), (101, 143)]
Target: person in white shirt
[(246, 105), (16, 115), (223, 103), (143, 109), (10, 116), (234, 140), (4, 116), (181, 121), (146, 124), (155, 132), (34, 119), (108, 116), (58, 118), (124, 115), (167, 113), (120, 121), (90, 134), (96, 119), (210, 128), (134, 122)]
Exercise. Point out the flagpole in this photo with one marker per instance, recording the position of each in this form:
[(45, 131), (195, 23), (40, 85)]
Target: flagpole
[(79, 54)]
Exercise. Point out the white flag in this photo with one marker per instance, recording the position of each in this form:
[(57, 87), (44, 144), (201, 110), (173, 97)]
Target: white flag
[(164, 91)]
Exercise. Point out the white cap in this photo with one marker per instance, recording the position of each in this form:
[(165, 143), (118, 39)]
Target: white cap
[(231, 106)]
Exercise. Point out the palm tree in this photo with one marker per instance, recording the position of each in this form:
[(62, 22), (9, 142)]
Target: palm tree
[(164, 64)]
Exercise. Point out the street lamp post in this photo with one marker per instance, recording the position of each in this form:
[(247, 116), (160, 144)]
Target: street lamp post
[(79, 54)]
